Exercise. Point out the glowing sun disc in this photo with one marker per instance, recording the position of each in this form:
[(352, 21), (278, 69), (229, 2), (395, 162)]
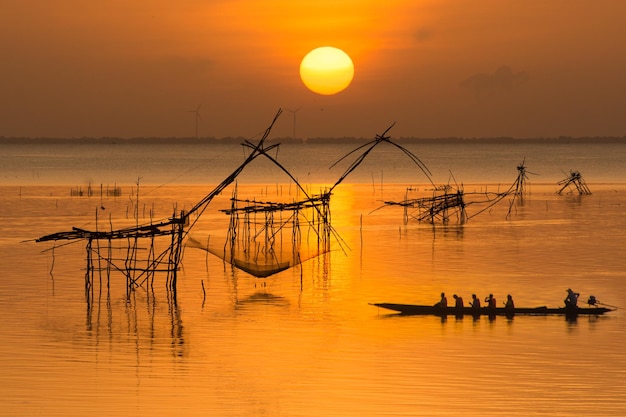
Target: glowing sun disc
[(326, 70)]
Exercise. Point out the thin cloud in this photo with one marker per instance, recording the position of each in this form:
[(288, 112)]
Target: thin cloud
[(503, 79), (423, 35)]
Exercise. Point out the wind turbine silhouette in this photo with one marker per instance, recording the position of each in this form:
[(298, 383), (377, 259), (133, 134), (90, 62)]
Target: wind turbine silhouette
[(197, 112), (294, 119)]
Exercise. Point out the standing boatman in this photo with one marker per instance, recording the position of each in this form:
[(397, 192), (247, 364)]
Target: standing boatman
[(572, 298)]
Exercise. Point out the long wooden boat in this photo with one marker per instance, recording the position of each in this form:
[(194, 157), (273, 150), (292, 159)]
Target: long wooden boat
[(413, 309)]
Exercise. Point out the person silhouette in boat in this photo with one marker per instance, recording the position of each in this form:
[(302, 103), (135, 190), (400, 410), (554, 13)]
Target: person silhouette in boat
[(458, 306), (443, 303), (475, 303), (491, 302), (571, 301), (593, 301), (458, 302), (509, 305)]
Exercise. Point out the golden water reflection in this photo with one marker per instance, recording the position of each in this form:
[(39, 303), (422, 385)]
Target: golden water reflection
[(307, 342)]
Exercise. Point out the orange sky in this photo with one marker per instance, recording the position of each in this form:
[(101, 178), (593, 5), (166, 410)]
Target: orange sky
[(521, 68)]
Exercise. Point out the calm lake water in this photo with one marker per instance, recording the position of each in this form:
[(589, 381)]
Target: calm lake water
[(306, 341)]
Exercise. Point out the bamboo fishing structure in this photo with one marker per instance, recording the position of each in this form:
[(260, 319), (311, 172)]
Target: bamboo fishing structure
[(150, 249), (444, 202), (369, 147), (517, 191), (574, 181), (142, 251), (263, 237), (258, 233), (448, 201)]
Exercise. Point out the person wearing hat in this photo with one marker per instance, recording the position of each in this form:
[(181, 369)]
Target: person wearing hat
[(572, 298)]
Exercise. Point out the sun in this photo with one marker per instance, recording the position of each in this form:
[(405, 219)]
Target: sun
[(326, 70)]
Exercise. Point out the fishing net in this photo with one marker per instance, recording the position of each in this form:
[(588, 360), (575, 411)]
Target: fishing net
[(265, 238)]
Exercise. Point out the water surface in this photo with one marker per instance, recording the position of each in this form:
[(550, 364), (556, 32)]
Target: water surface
[(306, 341)]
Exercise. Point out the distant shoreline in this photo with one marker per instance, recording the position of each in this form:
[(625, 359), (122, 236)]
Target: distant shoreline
[(310, 141)]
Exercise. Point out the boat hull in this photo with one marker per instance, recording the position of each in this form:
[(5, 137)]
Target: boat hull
[(413, 309)]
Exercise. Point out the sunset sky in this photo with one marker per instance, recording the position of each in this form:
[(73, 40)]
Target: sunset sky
[(438, 68)]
